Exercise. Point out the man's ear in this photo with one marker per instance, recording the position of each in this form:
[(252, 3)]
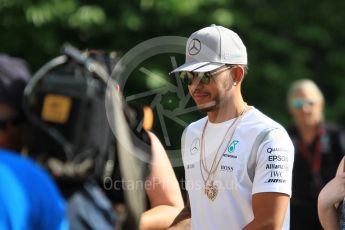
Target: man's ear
[(238, 74)]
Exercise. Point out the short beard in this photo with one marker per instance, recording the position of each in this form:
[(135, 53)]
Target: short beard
[(210, 107), (207, 109)]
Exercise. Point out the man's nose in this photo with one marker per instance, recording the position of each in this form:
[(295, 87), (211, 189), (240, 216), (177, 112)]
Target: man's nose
[(306, 107), (196, 84)]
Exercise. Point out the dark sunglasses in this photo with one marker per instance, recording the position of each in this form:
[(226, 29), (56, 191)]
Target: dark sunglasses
[(187, 76), (299, 103)]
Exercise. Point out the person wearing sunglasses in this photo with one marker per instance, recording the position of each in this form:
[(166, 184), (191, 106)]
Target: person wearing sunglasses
[(238, 162), (319, 148)]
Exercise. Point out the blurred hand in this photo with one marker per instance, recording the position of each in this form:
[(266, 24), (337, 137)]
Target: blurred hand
[(333, 192)]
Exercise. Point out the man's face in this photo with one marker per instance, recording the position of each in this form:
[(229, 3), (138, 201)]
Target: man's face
[(306, 108), (9, 133), (210, 97)]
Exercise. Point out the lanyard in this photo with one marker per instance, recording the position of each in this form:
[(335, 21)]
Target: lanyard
[(314, 159)]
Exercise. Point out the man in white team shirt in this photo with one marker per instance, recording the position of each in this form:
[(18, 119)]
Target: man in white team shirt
[(238, 162)]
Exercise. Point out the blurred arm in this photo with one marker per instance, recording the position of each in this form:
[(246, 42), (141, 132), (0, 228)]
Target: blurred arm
[(329, 198), (162, 189)]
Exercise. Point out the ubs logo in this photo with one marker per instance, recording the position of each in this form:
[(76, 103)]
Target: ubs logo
[(194, 47), (194, 148)]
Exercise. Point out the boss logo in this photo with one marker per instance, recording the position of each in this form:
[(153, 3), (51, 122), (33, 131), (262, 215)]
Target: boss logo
[(226, 168)]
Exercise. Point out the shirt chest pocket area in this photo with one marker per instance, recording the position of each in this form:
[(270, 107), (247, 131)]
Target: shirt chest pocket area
[(231, 169)]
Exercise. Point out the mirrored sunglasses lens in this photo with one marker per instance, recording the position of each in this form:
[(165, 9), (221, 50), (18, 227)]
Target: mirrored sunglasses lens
[(186, 77), (204, 77), (299, 103)]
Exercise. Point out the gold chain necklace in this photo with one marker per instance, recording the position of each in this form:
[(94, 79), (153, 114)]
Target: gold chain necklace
[(211, 190), (203, 160)]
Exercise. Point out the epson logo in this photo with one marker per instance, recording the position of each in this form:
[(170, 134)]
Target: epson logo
[(278, 158)]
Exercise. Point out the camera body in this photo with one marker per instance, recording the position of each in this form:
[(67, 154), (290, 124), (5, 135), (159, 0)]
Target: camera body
[(68, 128)]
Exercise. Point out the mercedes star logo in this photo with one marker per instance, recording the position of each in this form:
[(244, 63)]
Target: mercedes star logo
[(195, 146), (194, 47)]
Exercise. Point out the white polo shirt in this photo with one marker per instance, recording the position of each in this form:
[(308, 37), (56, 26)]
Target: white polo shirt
[(242, 171)]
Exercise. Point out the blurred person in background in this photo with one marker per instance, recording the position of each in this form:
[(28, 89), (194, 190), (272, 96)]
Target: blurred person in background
[(331, 207), (29, 198), (319, 147), (14, 74)]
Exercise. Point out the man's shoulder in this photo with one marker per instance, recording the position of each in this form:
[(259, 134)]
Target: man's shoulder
[(262, 121), (259, 124)]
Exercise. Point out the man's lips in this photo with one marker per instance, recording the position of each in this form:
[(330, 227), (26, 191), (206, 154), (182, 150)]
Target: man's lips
[(200, 95)]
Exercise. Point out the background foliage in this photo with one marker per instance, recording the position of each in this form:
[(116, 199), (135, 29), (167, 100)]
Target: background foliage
[(286, 40)]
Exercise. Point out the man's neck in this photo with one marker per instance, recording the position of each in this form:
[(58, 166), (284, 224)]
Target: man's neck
[(307, 133), (226, 112)]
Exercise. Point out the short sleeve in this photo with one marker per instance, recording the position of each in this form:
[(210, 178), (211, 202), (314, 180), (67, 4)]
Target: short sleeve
[(274, 163)]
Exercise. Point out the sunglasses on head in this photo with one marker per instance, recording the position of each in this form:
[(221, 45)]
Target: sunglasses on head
[(299, 103), (188, 76)]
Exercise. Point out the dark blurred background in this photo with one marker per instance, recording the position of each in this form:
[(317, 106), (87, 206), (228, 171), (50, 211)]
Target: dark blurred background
[(286, 40)]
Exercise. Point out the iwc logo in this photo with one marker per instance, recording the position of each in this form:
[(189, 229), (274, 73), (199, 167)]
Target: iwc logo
[(194, 47), (194, 148)]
